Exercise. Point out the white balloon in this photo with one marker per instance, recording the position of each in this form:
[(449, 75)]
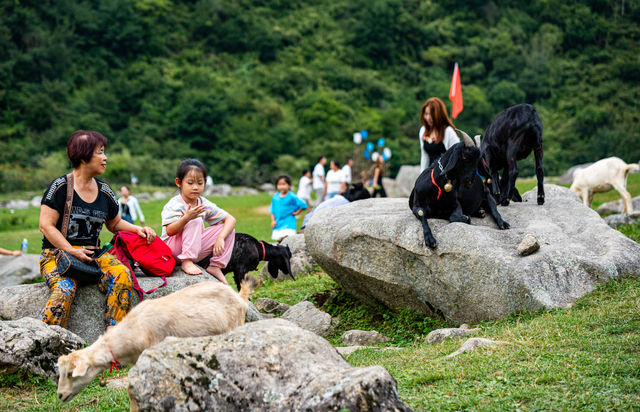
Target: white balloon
[(374, 156), (387, 152), (357, 138)]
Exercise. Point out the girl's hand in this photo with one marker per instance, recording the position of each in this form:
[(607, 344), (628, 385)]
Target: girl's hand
[(83, 255), (273, 224), (194, 211), (218, 247), (146, 232)]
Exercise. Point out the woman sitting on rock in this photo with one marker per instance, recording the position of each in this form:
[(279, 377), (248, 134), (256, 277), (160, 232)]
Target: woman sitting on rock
[(93, 204)]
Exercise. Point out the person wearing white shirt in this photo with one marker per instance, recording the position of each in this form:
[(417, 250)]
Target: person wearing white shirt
[(319, 184), (346, 171), (129, 206), (304, 187), (437, 133), (335, 180)]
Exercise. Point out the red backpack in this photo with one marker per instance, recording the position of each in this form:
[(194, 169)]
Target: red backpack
[(155, 258)]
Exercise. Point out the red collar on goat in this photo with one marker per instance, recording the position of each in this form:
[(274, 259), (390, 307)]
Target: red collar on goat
[(263, 252), (114, 362), (435, 184)]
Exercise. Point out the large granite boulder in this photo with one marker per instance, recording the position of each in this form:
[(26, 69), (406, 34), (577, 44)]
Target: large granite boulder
[(18, 270), (406, 178), (307, 316), (32, 346), (271, 365), (301, 261), (375, 250), (87, 310), (615, 206)]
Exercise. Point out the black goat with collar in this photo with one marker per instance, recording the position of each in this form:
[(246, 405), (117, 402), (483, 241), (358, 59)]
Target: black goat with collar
[(512, 136), (467, 197), (248, 252)]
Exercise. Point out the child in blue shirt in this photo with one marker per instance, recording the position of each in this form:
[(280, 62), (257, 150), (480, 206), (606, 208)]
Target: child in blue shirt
[(285, 205)]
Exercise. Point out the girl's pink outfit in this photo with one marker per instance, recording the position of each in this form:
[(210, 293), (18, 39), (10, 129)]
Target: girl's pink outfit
[(195, 242)]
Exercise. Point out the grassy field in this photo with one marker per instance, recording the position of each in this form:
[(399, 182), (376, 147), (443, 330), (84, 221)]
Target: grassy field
[(582, 358)]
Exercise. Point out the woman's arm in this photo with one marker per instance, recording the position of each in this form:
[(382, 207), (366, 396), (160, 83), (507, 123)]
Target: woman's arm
[(229, 225), (47, 225), (450, 137), (273, 220), (117, 224), (376, 174), (137, 210)]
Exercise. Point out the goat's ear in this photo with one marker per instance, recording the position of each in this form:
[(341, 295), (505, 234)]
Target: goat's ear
[(288, 252), (80, 369), (273, 267), (452, 159)]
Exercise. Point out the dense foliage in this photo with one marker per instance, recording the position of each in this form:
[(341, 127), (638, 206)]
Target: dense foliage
[(258, 87)]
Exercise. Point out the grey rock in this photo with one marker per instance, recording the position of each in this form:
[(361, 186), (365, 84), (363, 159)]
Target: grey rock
[(271, 306), (160, 195), (301, 261), (35, 201), (528, 245), (18, 270), (118, 383), (474, 343), (363, 337), (242, 191), (222, 189), (267, 187), (348, 350), (615, 206), (271, 365), (406, 178), (567, 177), (87, 310), (17, 204), (623, 219), (307, 316), (440, 335), (392, 188), (29, 345), (375, 251)]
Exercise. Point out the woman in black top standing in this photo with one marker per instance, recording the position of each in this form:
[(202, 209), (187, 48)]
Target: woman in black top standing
[(93, 205), (378, 173), (437, 133)]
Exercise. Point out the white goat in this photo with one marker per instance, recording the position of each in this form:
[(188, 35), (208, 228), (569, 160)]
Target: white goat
[(602, 176), (203, 309)]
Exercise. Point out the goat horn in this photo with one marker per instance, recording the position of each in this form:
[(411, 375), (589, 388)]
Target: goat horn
[(467, 139)]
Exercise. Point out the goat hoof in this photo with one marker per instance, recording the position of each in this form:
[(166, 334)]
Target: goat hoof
[(505, 225), (505, 202), (430, 242), (541, 200)]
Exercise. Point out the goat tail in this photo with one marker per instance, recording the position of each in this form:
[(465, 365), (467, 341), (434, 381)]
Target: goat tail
[(247, 286), (631, 167)]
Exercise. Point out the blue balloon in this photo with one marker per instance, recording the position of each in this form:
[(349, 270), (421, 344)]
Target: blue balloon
[(370, 146), (367, 155), (384, 156), (364, 133), (381, 142)]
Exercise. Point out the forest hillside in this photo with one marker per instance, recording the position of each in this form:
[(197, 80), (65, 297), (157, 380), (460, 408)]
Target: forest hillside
[(254, 88)]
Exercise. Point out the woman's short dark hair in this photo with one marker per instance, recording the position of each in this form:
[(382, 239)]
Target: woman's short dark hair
[(320, 158), (188, 165), (82, 144), (286, 178)]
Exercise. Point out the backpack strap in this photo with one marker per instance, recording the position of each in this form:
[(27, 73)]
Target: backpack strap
[(123, 256), (66, 216)]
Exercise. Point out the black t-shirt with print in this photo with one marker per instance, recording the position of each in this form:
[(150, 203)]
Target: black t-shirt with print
[(86, 219)]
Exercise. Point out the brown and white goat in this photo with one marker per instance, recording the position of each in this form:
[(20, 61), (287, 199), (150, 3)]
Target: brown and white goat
[(204, 309), (602, 176)]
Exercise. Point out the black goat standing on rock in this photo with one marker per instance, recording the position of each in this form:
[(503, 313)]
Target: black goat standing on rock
[(451, 188), (511, 137)]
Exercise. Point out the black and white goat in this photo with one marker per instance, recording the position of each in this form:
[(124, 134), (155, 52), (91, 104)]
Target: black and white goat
[(451, 188), (248, 252), (511, 137)]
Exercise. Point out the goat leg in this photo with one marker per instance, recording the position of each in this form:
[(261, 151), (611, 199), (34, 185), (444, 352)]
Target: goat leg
[(490, 203), (537, 153), (422, 213), (513, 173), (458, 216), (494, 174)]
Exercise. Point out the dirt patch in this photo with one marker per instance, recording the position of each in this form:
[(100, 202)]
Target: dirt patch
[(262, 210)]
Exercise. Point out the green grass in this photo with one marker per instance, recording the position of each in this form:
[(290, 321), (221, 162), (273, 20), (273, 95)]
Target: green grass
[(582, 358)]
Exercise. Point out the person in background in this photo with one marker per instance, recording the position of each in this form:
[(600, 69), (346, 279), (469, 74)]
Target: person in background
[(346, 171), (129, 206), (304, 187), (285, 206), (335, 180), (10, 252), (437, 133), (378, 173), (319, 184), (354, 192)]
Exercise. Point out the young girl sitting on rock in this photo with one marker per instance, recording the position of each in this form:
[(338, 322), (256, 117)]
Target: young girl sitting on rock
[(285, 205), (183, 219)]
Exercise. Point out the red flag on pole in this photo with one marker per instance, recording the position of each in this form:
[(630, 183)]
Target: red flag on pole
[(455, 94)]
